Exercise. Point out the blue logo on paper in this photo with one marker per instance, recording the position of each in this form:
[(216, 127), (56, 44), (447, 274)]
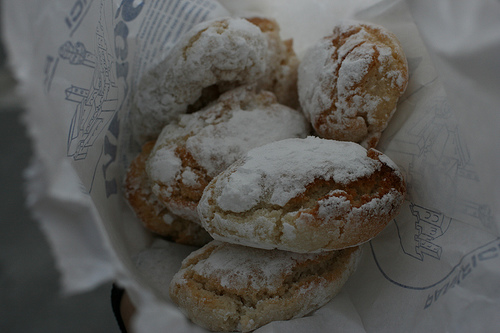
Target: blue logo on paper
[(94, 105), (97, 97), (429, 226), (422, 239)]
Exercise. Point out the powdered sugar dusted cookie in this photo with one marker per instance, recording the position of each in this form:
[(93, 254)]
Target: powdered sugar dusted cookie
[(153, 214), (190, 152), (350, 82), (303, 195), (214, 57), (227, 51), (226, 287)]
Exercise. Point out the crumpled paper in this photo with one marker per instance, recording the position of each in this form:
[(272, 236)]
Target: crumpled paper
[(435, 268)]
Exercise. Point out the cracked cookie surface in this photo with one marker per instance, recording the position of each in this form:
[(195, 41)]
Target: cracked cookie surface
[(303, 195), (227, 51), (227, 287), (350, 82), (193, 150), (214, 57), (151, 212)]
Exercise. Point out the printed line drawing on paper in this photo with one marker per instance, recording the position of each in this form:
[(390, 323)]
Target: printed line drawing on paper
[(95, 105)]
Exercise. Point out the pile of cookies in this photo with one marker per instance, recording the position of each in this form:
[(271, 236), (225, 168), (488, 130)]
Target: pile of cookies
[(267, 163)]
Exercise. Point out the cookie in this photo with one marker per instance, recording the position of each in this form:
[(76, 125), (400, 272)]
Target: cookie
[(149, 210), (349, 83), (197, 147), (213, 57), (282, 69), (227, 287), (303, 195), (221, 51)]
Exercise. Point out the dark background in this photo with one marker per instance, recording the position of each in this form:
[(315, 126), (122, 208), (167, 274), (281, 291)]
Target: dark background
[(30, 299)]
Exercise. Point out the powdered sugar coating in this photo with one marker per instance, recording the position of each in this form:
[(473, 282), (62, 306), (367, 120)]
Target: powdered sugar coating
[(228, 50), (237, 267), (303, 195), (225, 287), (219, 145), (151, 212), (199, 146), (349, 82), (163, 165), (285, 168)]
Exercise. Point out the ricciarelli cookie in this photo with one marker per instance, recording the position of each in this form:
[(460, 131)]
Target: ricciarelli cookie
[(227, 287), (148, 209), (196, 148), (349, 82), (282, 64), (213, 57), (215, 53), (303, 195)]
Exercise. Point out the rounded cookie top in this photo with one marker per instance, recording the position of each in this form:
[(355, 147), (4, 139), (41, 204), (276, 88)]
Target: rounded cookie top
[(229, 287), (216, 52), (190, 152), (303, 195), (349, 82)]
